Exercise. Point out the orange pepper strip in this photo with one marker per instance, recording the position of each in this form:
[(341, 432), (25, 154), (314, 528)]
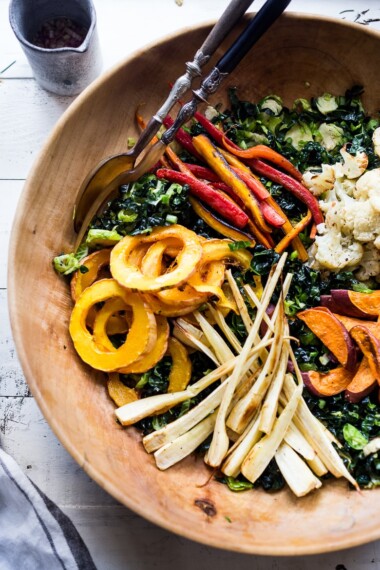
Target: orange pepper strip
[(157, 352), (119, 392), (180, 373), (141, 337), (267, 153), (285, 242), (220, 166), (313, 231), (219, 225)]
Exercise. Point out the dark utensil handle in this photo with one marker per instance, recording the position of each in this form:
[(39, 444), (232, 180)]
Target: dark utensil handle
[(227, 21), (268, 14)]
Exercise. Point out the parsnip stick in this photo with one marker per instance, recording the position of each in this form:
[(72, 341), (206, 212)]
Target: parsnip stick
[(228, 333), (220, 442), (239, 300), (174, 429), (256, 303), (317, 466), (262, 453), (295, 471), (297, 441), (242, 412), (173, 452), (199, 345), (218, 344), (270, 405), (235, 457), (316, 436)]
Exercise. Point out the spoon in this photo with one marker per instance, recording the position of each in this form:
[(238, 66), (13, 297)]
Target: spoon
[(104, 175), (102, 184)]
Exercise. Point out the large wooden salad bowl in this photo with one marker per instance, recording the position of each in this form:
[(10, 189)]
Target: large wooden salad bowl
[(301, 56)]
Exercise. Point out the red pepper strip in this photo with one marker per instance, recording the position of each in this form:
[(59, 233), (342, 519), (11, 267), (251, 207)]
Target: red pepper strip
[(183, 138), (226, 208), (203, 172), (270, 215), (265, 152), (213, 131), (253, 184), (285, 242), (295, 187)]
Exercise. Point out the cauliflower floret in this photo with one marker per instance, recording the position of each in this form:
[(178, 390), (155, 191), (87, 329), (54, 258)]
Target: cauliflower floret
[(368, 188), (370, 263), (353, 166), (335, 253), (319, 182), (376, 141)]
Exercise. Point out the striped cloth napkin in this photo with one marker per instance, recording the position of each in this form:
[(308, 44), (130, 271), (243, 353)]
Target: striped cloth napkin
[(34, 533)]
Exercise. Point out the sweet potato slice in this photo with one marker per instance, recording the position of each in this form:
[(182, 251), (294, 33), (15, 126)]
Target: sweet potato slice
[(353, 304), (329, 384), (370, 347), (362, 384), (350, 322), (322, 322)]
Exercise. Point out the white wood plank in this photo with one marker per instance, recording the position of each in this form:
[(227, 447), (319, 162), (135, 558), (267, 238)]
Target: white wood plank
[(10, 191), (118, 539)]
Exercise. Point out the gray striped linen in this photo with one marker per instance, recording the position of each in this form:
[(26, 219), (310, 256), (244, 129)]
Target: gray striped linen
[(34, 533)]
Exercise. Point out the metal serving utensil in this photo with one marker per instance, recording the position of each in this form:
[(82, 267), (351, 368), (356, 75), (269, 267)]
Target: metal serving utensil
[(103, 182), (105, 173)]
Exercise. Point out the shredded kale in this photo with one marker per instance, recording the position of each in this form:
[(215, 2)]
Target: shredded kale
[(296, 132), (353, 425)]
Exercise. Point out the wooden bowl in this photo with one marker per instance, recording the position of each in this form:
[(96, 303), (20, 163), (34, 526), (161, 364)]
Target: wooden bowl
[(301, 56)]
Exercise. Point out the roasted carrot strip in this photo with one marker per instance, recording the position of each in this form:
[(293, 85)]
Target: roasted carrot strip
[(184, 139), (265, 152), (213, 131), (253, 183), (220, 226), (202, 172), (219, 165), (286, 228), (295, 187), (271, 215), (219, 202), (142, 124), (298, 228)]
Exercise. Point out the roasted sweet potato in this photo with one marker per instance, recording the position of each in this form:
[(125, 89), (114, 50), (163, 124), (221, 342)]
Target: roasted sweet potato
[(362, 384), (322, 322), (350, 322), (370, 347), (328, 384), (353, 304)]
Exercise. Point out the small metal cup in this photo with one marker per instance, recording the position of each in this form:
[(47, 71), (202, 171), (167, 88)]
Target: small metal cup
[(66, 70)]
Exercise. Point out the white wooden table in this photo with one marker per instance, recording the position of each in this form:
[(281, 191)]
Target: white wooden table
[(116, 537)]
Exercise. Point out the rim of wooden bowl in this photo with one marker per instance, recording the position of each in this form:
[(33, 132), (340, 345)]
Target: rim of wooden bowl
[(336, 543)]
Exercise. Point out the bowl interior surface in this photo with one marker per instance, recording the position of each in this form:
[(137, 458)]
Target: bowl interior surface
[(300, 56)]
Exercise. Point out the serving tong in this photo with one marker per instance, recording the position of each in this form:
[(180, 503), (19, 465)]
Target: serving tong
[(103, 181)]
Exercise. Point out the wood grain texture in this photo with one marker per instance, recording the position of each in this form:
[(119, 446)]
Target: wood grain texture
[(74, 399)]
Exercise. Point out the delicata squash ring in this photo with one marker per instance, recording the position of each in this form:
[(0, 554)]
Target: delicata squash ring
[(141, 336), (131, 276)]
